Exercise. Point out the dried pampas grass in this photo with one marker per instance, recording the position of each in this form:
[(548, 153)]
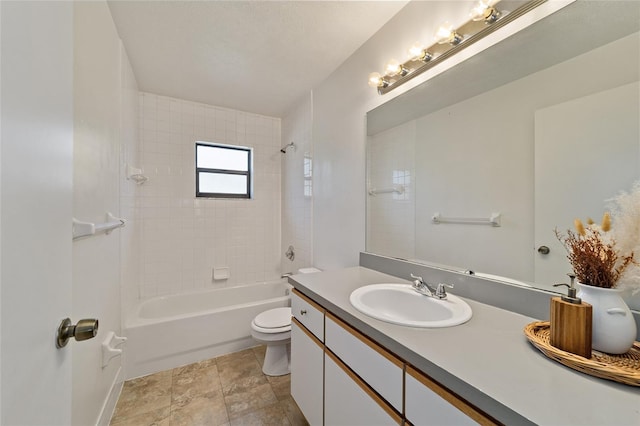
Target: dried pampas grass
[(625, 213), (595, 260), (604, 255)]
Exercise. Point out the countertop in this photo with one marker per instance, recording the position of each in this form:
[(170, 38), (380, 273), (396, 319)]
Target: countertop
[(487, 361)]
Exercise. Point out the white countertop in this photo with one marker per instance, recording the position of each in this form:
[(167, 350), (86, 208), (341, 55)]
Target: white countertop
[(487, 361)]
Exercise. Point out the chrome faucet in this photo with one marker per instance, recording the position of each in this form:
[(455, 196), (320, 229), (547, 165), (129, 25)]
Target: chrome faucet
[(423, 288)]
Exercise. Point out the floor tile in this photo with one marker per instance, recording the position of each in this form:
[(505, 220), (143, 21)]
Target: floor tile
[(143, 395), (207, 363), (206, 410), (273, 414), (293, 412), (232, 374), (193, 383), (159, 417), (259, 352), (235, 358), (281, 385), (245, 399), (225, 391)]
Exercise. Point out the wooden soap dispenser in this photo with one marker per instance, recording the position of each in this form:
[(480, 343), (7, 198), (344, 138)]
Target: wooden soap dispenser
[(571, 322)]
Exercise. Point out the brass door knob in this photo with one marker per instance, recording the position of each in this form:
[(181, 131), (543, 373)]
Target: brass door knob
[(544, 250), (85, 329)]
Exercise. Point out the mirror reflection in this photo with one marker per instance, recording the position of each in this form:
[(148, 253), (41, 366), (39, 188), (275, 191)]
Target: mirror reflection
[(548, 131)]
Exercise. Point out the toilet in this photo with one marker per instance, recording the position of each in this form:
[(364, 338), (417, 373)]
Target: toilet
[(273, 329)]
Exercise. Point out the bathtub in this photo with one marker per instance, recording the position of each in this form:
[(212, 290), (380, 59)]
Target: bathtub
[(170, 331)]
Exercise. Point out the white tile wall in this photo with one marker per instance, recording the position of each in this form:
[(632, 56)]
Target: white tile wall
[(184, 238), (391, 216), (297, 188), (130, 154)]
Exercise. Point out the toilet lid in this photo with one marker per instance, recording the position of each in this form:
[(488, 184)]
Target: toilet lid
[(274, 318)]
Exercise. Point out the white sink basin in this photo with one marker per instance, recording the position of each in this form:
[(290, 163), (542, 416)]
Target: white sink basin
[(400, 304)]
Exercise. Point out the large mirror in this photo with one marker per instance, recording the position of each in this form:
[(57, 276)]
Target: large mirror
[(539, 129)]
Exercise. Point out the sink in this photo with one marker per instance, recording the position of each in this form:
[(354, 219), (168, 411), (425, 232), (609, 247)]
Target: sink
[(400, 304)]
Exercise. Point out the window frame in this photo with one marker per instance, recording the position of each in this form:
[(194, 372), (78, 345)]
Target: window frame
[(249, 173)]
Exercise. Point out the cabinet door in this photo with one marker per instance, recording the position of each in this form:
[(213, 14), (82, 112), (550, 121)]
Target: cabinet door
[(380, 369), (427, 402), (306, 372), (349, 401)]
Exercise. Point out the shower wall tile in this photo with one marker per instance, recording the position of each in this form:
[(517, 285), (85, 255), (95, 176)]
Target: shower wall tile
[(183, 237), (391, 216), (297, 201)]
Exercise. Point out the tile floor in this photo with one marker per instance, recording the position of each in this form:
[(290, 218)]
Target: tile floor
[(228, 390)]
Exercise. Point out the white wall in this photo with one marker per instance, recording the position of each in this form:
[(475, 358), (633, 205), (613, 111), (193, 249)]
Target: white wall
[(184, 237), (339, 130), (99, 101), (297, 186)]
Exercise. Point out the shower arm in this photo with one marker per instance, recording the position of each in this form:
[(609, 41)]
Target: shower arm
[(284, 148)]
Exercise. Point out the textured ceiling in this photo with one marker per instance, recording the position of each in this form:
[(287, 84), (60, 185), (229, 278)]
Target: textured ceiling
[(254, 56)]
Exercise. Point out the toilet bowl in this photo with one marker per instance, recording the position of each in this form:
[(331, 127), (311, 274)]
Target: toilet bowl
[(273, 329)]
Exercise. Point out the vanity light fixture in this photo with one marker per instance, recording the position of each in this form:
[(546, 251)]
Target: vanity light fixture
[(485, 18)]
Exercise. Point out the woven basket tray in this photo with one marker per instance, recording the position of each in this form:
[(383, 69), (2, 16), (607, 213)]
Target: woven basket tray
[(623, 368)]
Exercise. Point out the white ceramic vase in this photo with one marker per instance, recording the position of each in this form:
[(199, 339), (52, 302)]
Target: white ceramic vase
[(614, 328)]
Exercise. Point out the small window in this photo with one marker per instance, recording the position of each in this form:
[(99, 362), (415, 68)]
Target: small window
[(308, 174), (223, 171)]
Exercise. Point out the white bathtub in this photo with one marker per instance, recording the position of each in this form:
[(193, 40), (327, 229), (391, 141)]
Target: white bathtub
[(170, 331)]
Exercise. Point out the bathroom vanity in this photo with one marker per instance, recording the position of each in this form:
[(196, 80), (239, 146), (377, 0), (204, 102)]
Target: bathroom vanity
[(348, 368)]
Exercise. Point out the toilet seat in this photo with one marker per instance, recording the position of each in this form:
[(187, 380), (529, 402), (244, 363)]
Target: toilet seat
[(276, 320)]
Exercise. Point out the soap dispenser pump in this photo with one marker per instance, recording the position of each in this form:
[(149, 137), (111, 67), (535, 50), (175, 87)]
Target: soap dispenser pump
[(571, 322)]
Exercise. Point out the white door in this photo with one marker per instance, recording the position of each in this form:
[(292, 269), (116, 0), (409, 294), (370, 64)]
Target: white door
[(36, 161), (572, 179)]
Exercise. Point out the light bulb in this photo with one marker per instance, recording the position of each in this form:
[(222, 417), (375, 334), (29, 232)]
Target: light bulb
[(446, 34), (376, 80), (477, 13), (417, 53), (484, 11), (393, 67)]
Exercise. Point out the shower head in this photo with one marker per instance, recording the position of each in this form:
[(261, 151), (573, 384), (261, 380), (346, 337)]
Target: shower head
[(284, 148)]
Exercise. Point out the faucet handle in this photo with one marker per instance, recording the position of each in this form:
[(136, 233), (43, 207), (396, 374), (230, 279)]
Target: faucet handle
[(441, 293), (418, 282), (417, 278)]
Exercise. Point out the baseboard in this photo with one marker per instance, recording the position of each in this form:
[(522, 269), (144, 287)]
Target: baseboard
[(110, 403)]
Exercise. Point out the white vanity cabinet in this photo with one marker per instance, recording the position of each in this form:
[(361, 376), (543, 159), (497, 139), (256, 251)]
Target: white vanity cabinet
[(339, 376), (427, 402), (307, 357), (349, 401)]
